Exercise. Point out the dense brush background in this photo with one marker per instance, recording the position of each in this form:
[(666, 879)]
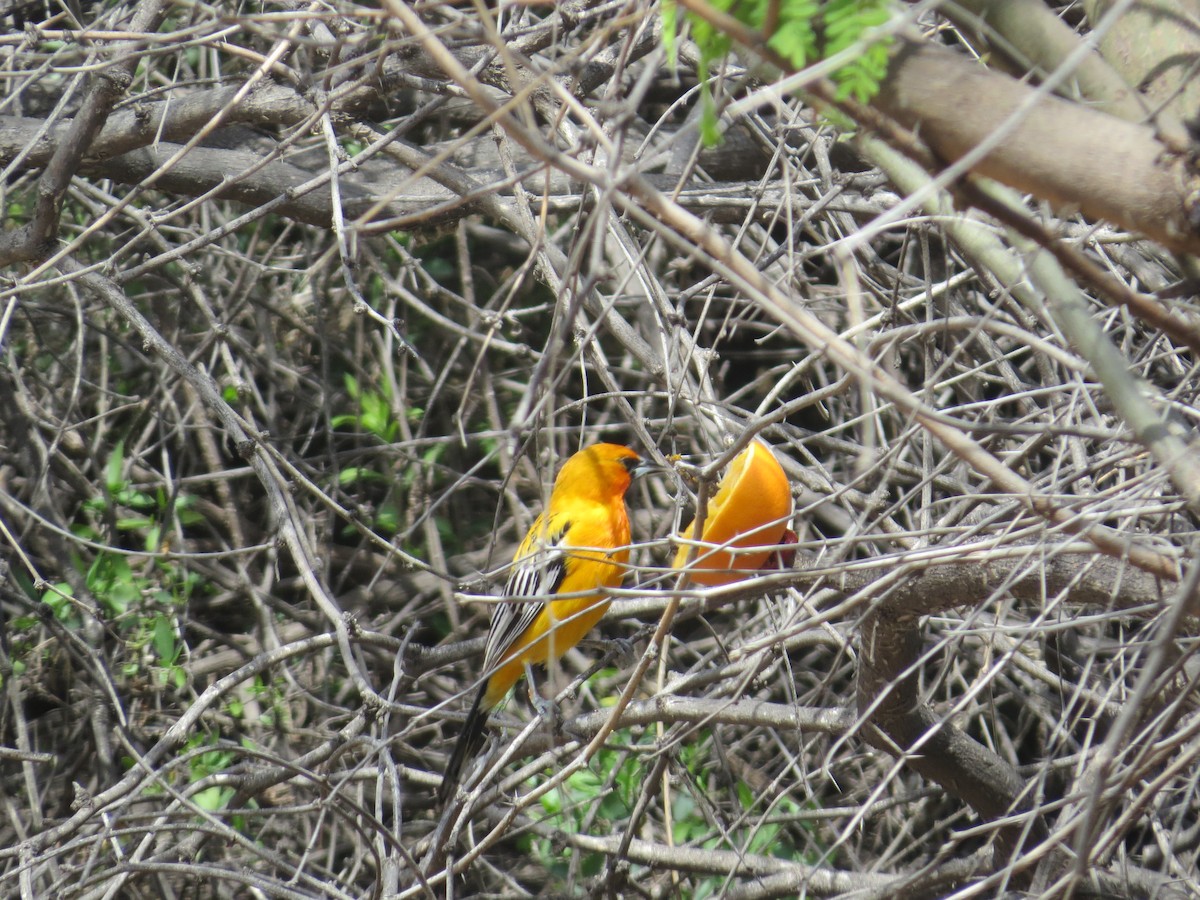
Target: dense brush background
[(296, 323)]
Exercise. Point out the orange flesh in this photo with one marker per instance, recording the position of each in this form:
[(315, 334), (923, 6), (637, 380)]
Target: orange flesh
[(745, 518)]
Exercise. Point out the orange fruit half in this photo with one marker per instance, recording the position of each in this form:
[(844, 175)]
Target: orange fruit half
[(747, 516)]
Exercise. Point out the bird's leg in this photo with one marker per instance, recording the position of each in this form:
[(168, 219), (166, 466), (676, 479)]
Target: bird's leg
[(547, 710)]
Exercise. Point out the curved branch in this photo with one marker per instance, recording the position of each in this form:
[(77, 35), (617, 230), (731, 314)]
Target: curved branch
[(898, 722)]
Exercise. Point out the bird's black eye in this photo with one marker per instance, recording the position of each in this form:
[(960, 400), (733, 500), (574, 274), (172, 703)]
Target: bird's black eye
[(631, 462)]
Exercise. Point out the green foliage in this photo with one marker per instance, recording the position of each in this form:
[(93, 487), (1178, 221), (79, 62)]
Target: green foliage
[(374, 413), (135, 511), (142, 607), (845, 23), (61, 600), (795, 37), (670, 17), (601, 798), (111, 581), (438, 257), (750, 834), (139, 597), (595, 800), (204, 764), (804, 32)]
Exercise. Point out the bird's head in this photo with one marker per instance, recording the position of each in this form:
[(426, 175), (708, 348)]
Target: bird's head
[(599, 472)]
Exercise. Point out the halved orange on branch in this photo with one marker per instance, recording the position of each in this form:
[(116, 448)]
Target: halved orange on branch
[(744, 521)]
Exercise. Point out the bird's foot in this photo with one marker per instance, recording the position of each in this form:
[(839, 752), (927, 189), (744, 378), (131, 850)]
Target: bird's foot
[(549, 712)]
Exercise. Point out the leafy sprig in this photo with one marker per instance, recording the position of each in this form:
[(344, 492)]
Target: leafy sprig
[(803, 32)]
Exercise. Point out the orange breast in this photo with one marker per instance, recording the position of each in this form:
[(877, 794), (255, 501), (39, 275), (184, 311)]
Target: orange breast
[(561, 624)]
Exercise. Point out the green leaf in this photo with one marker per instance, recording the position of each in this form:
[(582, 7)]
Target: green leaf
[(134, 499), (213, 798), (59, 601), (164, 640), (552, 801), (387, 519), (670, 17), (795, 41), (613, 807), (355, 474), (133, 523), (805, 32), (112, 581), (710, 127), (112, 472)]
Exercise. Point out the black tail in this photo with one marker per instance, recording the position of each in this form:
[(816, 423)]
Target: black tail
[(469, 741)]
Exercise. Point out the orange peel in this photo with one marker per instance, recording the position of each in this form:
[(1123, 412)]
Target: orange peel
[(745, 519)]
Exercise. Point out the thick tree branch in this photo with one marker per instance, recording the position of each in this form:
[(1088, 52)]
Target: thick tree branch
[(1062, 152), (33, 239)]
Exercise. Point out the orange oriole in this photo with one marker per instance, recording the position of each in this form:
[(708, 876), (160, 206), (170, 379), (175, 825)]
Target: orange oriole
[(577, 547)]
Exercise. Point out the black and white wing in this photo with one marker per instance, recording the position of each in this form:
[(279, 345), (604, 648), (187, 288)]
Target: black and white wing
[(537, 572)]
